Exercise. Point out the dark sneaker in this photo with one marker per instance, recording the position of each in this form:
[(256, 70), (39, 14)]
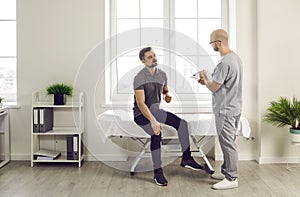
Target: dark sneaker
[(191, 163), (159, 178), (208, 170)]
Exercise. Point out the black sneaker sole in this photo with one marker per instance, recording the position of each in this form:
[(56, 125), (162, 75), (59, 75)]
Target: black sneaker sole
[(160, 184), (192, 168)]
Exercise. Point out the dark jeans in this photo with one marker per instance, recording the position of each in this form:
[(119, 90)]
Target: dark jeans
[(169, 119)]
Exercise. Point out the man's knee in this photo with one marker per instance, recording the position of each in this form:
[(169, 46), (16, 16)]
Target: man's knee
[(183, 125)]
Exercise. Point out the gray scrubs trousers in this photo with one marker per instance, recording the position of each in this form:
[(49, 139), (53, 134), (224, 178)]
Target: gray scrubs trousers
[(226, 128)]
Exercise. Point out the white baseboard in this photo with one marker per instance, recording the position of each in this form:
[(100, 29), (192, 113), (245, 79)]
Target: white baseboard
[(242, 157), (269, 160), (105, 157), (20, 157), (109, 157)]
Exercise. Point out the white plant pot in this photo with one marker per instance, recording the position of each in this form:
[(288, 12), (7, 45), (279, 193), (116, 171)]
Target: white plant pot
[(295, 135), (1, 105)]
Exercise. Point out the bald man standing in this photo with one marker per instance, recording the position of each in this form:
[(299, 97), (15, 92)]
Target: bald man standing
[(226, 88)]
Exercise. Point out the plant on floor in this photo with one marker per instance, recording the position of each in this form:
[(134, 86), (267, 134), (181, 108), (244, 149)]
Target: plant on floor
[(59, 90), (285, 112)]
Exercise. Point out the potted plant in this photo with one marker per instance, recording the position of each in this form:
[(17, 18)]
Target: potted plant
[(59, 90), (1, 99), (285, 112)]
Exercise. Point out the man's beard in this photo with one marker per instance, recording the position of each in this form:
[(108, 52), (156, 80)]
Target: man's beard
[(216, 48), (153, 65)]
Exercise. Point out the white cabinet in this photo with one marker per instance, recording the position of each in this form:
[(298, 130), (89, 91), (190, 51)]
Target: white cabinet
[(4, 136), (67, 121)]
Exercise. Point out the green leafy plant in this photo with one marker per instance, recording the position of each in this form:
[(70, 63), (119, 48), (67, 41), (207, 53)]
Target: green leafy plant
[(284, 112), (60, 88), (1, 99)]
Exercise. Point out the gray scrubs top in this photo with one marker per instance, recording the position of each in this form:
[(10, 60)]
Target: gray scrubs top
[(152, 86), (228, 99)]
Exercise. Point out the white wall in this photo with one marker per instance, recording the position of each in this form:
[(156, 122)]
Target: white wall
[(278, 70), (55, 36)]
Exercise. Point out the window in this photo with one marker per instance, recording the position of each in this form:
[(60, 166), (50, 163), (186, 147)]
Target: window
[(181, 47), (8, 51)]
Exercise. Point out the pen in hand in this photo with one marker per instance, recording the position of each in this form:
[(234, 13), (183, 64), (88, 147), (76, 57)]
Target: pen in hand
[(196, 76), (202, 76)]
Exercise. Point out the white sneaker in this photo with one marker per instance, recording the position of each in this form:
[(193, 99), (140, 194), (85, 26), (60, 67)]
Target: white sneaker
[(218, 176), (226, 184)]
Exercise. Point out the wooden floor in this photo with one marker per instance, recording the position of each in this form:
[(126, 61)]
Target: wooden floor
[(97, 179)]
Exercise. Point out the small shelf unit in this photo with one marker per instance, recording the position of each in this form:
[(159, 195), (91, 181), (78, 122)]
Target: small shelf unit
[(68, 120), (4, 133)]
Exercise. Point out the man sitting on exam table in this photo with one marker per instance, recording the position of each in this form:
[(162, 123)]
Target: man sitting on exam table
[(149, 85)]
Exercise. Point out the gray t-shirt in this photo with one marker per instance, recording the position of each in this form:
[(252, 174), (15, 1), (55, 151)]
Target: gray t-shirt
[(229, 72), (152, 86)]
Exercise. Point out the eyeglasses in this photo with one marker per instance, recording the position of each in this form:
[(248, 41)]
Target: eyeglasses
[(214, 41)]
